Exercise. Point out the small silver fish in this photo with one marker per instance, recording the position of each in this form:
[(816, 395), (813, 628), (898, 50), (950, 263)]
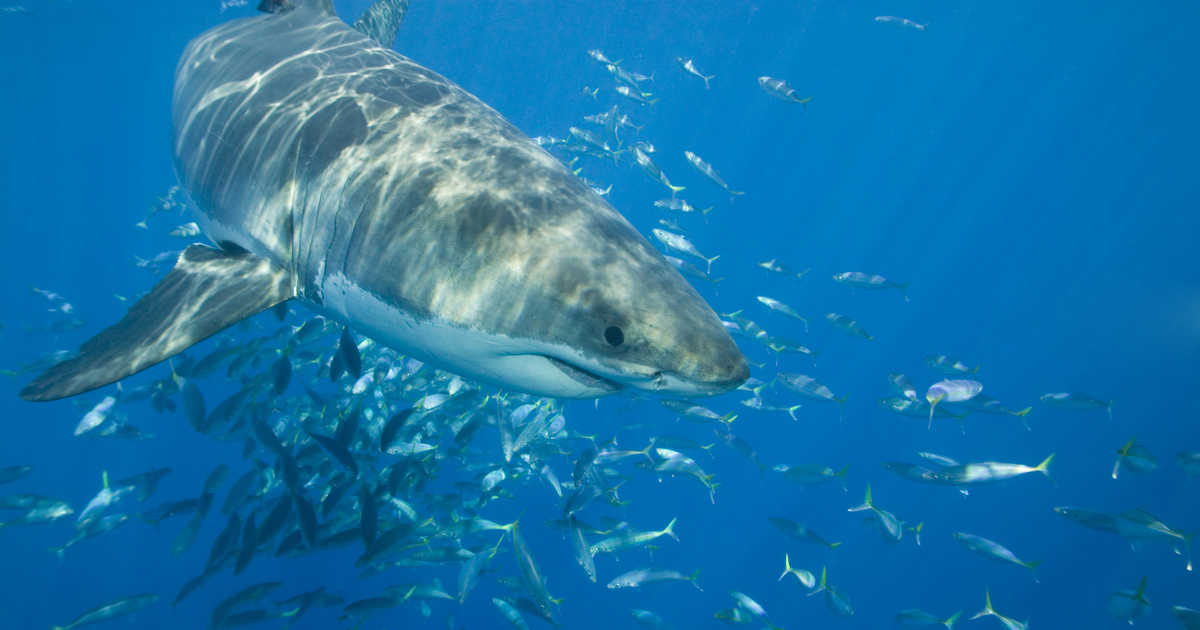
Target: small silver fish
[(689, 66), (708, 171), (781, 90), (891, 19)]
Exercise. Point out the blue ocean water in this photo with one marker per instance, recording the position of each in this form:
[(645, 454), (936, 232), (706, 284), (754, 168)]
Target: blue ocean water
[(1029, 168)]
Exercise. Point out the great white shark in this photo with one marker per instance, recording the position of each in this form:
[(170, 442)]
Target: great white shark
[(327, 168)]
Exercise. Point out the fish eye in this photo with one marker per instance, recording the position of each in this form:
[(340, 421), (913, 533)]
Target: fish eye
[(614, 336)]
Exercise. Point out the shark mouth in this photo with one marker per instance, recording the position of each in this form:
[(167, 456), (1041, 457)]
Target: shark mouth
[(583, 377)]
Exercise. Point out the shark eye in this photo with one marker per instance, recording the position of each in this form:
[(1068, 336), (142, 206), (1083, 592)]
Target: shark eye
[(614, 336)]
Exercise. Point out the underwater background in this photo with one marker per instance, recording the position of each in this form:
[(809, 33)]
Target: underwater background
[(1029, 168)]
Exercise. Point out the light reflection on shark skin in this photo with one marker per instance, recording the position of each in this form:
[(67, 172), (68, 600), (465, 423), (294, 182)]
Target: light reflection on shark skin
[(408, 208)]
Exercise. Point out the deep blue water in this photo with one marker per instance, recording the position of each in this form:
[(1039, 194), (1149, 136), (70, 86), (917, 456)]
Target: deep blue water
[(1030, 168)]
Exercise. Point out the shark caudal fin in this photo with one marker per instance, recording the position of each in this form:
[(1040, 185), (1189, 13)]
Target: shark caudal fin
[(208, 290)]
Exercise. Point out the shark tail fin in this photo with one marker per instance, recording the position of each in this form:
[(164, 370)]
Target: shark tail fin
[(208, 290)]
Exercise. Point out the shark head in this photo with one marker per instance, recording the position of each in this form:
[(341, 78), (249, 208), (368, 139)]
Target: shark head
[(616, 315), (576, 311), (543, 288)]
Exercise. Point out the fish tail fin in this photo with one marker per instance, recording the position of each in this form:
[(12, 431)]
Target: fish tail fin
[(670, 529), (727, 420), (707, 210), (1022, 413), (1044, 467), (1141, 591), (917, 532), (951, 620), (987, 606), (787, 567), (104, 479), (834, 545), (1108, 408), (791, 411), (694, 579), (707, 79), (975, 370), (867, 504), (710, 261), (59, 551), (736, 193)]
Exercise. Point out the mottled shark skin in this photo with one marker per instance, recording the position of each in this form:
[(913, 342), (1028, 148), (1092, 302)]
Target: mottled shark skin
[(396, 202)]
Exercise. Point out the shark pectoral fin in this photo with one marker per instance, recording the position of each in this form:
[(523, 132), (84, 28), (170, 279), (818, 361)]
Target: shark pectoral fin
[(208, 290)]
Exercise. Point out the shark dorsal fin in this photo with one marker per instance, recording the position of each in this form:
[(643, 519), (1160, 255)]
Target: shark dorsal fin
[(382, 20), (325, 7)]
